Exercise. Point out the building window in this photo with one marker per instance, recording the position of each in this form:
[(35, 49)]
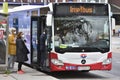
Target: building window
[(19, 1), (38, 1), (59, 0), (25, 1), (52, 0)]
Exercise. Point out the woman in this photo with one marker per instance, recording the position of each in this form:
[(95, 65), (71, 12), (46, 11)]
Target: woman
[(21, 52), (12, 48)]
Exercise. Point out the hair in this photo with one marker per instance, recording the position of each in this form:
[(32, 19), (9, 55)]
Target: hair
[(12, 29), (19, 34)]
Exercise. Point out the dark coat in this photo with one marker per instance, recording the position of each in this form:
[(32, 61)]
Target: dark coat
[(42, 42), (2, 52), (21, 51)]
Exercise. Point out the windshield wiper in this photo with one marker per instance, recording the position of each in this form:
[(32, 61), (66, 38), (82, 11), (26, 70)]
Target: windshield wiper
[(100, 49)]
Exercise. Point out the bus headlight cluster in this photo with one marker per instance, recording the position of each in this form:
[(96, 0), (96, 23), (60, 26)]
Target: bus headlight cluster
[(107, 61), (57, 62)]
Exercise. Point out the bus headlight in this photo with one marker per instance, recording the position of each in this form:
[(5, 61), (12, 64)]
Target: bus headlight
[(107, 61), (57, 62)]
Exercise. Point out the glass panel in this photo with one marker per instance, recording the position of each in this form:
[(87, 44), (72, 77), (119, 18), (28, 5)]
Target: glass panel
[(81, 32), (3, 34), (34, 40)]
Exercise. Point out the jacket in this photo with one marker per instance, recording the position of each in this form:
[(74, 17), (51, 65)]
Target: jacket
[(12, 44), (21, 51), (42, 41)]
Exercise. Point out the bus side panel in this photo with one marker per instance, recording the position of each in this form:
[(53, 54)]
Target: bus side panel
[(21, 22)]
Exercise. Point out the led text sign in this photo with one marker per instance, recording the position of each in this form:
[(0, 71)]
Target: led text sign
[(80, 9), (87, 9)]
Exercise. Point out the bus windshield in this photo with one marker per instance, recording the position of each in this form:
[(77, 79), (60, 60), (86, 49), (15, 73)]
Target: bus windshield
[(81, 33)]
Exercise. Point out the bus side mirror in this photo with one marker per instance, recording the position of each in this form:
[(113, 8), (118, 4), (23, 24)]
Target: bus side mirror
[(49, 19)]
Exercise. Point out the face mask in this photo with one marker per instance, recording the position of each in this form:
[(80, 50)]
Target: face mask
[(23, 36), (14, 32)]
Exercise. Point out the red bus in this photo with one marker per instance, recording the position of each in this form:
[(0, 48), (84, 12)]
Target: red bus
[(78, 35)]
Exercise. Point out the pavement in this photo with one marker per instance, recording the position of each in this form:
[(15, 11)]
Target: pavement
[(116, 44), (33, 74), (30, 74)]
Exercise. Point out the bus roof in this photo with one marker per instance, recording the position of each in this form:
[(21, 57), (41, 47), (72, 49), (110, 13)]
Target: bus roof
[(25, 7)]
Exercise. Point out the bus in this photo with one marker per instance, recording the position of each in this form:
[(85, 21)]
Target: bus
[(78, 35)]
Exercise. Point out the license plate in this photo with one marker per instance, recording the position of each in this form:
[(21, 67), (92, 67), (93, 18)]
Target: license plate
[(84, 68)]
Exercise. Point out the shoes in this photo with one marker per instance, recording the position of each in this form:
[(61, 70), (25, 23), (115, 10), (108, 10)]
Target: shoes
[(20, 72)]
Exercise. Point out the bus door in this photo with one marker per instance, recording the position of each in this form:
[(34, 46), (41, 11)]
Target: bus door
[(37, 27), (41, 29), (35, 24)]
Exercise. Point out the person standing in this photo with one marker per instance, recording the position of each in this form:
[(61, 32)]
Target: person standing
[(43, 37), (21, 52), (11, 48)]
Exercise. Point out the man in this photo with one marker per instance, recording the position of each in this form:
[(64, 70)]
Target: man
[(43, 48), (11, 48)]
